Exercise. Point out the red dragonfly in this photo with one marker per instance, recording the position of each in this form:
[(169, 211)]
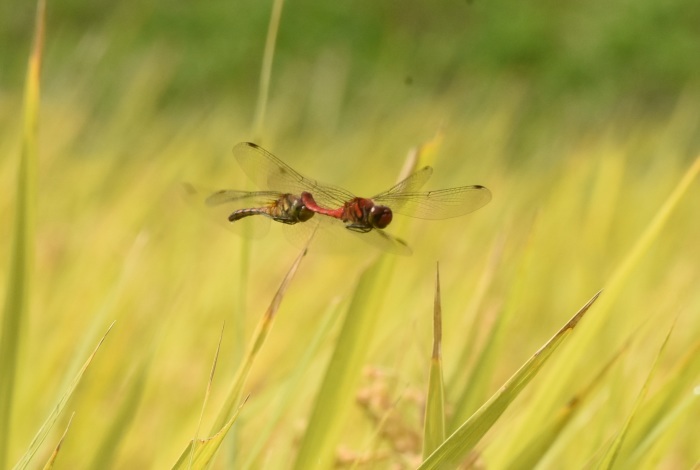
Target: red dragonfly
[(297, 198)]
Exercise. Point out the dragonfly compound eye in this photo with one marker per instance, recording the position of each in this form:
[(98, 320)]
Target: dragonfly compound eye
[(380, 216)]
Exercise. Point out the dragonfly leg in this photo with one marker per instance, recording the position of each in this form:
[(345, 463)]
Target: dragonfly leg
[(360, 228)]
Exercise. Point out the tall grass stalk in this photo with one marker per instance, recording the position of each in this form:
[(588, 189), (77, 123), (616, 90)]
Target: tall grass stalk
[(22, 255)]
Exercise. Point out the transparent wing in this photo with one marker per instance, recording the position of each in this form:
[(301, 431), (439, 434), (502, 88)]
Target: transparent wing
[(221, 204), (439, 204), (411, 184), (270, 173), (242, 199)]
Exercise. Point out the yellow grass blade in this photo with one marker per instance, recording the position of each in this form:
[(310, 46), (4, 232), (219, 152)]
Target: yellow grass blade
[(259, 337), (122, 419), (463, 440), (664, 407), (434, 427), (54, 454), (56, 412), (206, 396), (22, 254), (200, 453)]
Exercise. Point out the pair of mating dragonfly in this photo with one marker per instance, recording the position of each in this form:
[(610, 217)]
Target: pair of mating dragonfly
[(293, 199)]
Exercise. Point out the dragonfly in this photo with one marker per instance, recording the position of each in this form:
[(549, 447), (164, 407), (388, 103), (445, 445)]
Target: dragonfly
[(291, 198)]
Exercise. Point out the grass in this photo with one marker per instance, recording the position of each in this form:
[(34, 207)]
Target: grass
[(345, 372)]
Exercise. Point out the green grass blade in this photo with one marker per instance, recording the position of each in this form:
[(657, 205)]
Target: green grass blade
[(611, 455), (54, 454), (22, 254), (266, 72), (56, 412), (339, 383), (264, 326), (434, 427), (463, 440), (293, 387)]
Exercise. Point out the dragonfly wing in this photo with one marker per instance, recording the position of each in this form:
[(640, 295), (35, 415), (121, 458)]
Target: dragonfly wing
[(439, 204), (410, 184), (241, 199), (269, 172), (222, 203)]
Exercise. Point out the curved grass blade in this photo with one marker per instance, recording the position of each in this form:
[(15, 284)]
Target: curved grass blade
[(53, 416), (463, 440), (54, 454), (338, 386), (22, 254), (434, 427), (611, 455), (259, 337)]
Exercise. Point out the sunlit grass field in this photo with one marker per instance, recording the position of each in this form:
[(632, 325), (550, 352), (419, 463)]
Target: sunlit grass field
[(611, 204)]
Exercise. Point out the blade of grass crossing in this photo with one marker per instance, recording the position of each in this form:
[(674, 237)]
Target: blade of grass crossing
[(16, 302), (54, 454), (55, 413), (200, 453), (463, 440), (434, 427), (339, 383)]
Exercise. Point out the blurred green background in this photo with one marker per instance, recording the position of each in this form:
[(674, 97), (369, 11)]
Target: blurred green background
[(580, 117)]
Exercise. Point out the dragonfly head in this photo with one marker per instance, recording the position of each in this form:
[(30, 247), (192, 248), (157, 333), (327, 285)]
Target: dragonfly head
[(380, 216)]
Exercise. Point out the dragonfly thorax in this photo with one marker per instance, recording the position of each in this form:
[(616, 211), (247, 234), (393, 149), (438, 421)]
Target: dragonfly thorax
[(362, 215)]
